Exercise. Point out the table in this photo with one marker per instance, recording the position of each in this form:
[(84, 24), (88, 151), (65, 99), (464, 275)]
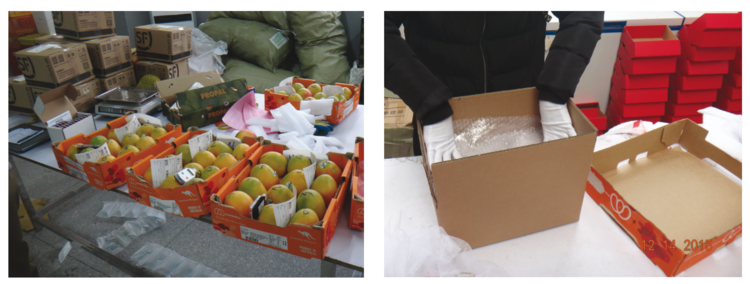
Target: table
[(593, 246), (346, 248)]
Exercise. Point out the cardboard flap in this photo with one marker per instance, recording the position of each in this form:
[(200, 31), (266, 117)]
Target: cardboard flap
[(607, 159), (168, 88), (672, 132), (55, 102), (694, 140)]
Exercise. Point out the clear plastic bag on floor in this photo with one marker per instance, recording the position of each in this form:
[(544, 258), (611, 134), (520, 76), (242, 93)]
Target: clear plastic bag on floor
[(148, 219), (169, 263), (127, 210), (489, 134)]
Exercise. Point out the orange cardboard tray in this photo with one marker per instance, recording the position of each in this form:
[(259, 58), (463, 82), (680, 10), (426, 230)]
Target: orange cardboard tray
[(304, 241), (339, 112), (108, 175), (357, 205)]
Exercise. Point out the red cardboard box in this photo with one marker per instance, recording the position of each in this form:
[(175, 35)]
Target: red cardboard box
[(725, 103), (186, 201), (695, 118), (685, 109), (687, 67), (300, 240), (108, 175), (731, 92), (691, 97), (357, 206), (734, 79), (645, 81), (696, 53), (638, 96), (648, 65), (594, 114), (714, 38), (695, 82), (638, 110), (614, 118), (735, 66), (643, 196), (650, 41), (718, 21)]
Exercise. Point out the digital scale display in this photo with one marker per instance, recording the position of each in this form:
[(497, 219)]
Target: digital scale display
[(115, 110)]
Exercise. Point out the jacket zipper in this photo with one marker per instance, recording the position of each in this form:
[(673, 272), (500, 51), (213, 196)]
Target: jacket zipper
[(484, 61)]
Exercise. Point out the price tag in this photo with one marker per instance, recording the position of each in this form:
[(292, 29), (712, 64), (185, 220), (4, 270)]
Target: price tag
[(78, 173), (93, 156), (200, 143), (263, 238), (130, 127), (169, 206), (231, 141), (162, 168)]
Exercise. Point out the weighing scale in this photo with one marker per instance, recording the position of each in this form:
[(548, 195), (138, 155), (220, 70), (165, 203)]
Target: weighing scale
[(121, 100)]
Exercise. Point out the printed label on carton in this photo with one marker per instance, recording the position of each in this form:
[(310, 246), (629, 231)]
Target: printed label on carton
[(163, 168), (93, 156), (348, 108), (231, 141), (130, 127), (200, 143), (169, 206), (279, 40), (78, 173), (264, 238)]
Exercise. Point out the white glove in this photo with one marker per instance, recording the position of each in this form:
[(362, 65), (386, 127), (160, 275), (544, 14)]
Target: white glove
[(555, 121), (438, 138)]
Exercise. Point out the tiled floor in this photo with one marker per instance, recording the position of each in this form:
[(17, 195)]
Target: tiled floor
[(190, 238)]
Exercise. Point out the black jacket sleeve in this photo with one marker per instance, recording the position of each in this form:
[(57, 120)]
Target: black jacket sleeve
[(569, 54), (406, 76)]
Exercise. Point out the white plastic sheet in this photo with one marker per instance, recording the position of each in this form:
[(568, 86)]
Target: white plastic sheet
[(206, 53), (169, 263), (148, 219)]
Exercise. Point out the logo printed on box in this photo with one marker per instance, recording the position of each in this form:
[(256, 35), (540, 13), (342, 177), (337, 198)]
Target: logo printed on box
[(142, 37)]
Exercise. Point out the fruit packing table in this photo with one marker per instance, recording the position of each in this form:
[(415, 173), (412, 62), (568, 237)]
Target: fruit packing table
[(346, 248)]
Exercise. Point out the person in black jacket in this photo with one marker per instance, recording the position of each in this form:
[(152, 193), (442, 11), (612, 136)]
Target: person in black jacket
[(449, 54)]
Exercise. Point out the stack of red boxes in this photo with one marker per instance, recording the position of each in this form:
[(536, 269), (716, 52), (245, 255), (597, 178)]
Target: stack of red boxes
[(707, 46), (595, 115), (19, 24), (640, 83), (730, 94)]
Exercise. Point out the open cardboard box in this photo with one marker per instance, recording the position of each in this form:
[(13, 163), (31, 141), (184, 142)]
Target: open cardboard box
[(714, 37), (357, 206), (186, 201), (339, 111), (697, 53), (55, 102), (691, 97), (664, 194), (638, 96), (300, 240), (111, 174), (168, 89), (649, 41), (594, 114), (648, 65), (492, 197)]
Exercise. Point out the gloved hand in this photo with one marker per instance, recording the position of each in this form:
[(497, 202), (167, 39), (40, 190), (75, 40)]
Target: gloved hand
[(438, 138), (555, 121)]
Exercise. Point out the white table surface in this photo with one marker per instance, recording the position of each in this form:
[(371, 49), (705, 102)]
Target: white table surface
[(593, 246), (347, 245)]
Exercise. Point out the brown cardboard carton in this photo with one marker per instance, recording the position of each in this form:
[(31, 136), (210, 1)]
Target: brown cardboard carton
[(677, 208), (84, 25), (18, 93), (51, 65), (51, 108), (501, 195), (52, 38), (123, 79), (163, 43), (163, 70), (85, 98), (109, 55), (397, 113)]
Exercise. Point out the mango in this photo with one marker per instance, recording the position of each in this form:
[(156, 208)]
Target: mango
[(304, 217), (313, 200), (252, 186), (267, 215), (297, 178), (225, 160), (204, 158), (279, 194), (275, 160), (217, 148), (184, 150), (239, 151), (240, 201), (329, 168), (326, 186), (297, 162), (265, 174), (130, 139)]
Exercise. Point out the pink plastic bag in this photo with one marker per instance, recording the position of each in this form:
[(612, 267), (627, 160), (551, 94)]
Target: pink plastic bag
[(244, 109)]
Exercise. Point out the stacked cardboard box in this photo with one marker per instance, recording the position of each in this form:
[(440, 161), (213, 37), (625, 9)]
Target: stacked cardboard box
[(595, 115), (162, 51), (730, 94), (646, 57), (707, 46), (20, 24)]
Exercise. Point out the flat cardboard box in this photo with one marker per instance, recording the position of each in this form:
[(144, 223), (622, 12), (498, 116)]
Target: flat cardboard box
[(638, 96), (685, 109), (164, 71), (123, 79), (695, 118), (650, 41), (648, 65), (111, 174), (734, 79), (722, 102), (195, 202), (300, 240), (86, 98), (52, 103), (735, 66), (688, 67), (18, 93), (729, 91), (109, 55), (84, 25), (536, 190), (55, 64), (339, 111), (357, 205), (691, 97), (669, 194), (644, 81), (163, 43), (695, 82), (714, 38), (697, 53), (397, 113)]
